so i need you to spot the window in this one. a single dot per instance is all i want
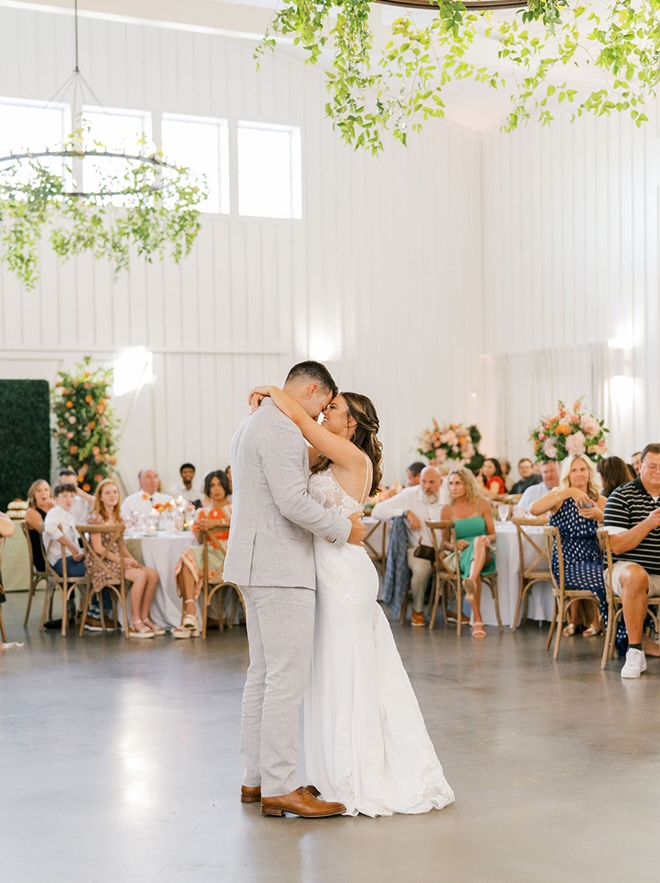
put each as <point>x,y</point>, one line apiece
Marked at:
<point>201,144</point>
<point>117,130</point>
<point>269,171</point>
<point>31,126</point>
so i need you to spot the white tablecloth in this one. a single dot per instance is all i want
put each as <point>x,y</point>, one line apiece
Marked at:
<point>162,551</point>
<point>540,598</point>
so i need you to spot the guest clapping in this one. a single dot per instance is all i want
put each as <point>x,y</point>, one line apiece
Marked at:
<point>190,567</point>
<point>577,509</point>
<point>475,537</point>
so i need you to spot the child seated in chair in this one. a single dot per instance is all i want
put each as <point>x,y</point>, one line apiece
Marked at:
<point>60,530</point>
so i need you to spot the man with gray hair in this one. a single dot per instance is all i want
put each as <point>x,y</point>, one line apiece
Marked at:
<point>417,504</point>
<point>147,497</point>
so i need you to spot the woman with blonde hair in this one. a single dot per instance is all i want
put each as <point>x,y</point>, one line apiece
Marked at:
<point>576,509</point>
<point>40,501</point>
<point>475,538</point>
<point>144,580</point>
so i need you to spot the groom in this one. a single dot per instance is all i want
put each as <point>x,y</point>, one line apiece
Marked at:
<point>270,557</point>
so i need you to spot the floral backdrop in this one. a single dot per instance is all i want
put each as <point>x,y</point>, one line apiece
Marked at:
<point>85,424</point>
<point>452,441</point>
<point>569,432</point>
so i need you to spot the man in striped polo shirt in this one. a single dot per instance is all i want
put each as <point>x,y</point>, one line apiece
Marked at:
<point>632,517</point>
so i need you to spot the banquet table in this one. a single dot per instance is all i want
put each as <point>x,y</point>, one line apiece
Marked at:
<point>162,551</point>
<point>540,602</point>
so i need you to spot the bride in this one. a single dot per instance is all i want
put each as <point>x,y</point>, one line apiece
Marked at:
<point>366,744</point>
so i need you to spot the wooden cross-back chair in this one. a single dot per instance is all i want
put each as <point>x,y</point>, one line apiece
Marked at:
<point>3,634</point>
<point>564,596</point>
<point>448,581</point>
<point>214,534</point>
<point>614,606</point>
<point>64,585</point>
<point>36,576</point>
<point>116,584</point>
<point>537,547</point>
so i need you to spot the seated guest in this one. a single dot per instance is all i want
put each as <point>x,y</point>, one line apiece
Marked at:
<point>40,502</point>
<point>492,478</point>
<point>577,510</point>
<point>475,537</point>
<point>144,580</point>
<point>527,476</point>
<point>549,481</point>
<point>83,502</point>
<point>614,471</point>
<point>506,470</point>
<point>636,462</point>
<point>60,528</point>
<point>147,497</point>
<point>6,530</point>
<point>632,517</point>
<point>417,505</point>
<point>190,567</point>
<point>185,488</point>
<point>414,473</point>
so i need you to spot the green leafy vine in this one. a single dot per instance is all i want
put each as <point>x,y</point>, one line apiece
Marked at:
<point>150,206</point>
<point>397,88</point>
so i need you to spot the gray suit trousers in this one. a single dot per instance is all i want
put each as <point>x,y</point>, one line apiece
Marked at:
<point>280,627</point>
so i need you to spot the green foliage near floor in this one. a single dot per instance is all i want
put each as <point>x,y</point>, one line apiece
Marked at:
<point>24,437</point>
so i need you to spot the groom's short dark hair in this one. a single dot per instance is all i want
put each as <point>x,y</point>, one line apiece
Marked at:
<point>315,372</point>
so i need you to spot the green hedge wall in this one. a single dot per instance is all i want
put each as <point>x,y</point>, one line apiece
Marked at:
<point>24,437</point>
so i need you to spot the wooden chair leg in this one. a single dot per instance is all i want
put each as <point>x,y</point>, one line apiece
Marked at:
<point>496,603</point>
<point>434,605</point>
<point>561,616</point>
<point>459,609</point>
<point>3,633</point>
<point>83,616</point>
<point>31,592</point>
<point>48,602</point>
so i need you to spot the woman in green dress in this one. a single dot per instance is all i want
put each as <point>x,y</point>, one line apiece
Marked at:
<point>475,538</point>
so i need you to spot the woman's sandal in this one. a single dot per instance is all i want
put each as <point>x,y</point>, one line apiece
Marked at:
<point>569,631</point>
<point>143,632</point>
<point>470,588</point>
<point>478,630</point>
<point>592,631</point>
<point>156,629</point>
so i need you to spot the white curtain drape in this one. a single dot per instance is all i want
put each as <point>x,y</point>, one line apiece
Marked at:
<point>528,385</point>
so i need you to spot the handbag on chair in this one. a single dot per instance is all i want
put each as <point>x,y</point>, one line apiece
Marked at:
<point>423,551</point>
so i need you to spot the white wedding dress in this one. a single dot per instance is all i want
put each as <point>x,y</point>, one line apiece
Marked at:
<point>366,743</point>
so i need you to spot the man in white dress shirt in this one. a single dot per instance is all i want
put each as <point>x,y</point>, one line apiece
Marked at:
<point>549,481</point>
<point>147,497</point>
<point>418,504</point>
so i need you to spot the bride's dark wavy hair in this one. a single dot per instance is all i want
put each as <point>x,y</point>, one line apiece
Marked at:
<point>362,410</point>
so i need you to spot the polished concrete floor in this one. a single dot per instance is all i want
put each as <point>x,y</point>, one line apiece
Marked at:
<point>120,763</point>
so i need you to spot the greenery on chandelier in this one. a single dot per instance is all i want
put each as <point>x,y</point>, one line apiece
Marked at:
<point>401,85</point>
<point>149,205</point>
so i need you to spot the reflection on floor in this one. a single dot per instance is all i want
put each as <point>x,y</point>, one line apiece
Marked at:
<point>120,763</point>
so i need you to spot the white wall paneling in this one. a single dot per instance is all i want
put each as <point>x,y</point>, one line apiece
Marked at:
<point>382,276</point>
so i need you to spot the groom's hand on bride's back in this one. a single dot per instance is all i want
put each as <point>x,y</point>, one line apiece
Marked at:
<point>358,529</point>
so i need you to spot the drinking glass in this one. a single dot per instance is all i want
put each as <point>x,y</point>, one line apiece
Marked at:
<point>503,511</point>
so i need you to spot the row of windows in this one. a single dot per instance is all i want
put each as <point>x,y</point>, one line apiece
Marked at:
<point>268,156</point>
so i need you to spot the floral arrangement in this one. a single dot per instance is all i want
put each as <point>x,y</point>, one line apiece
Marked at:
<point>569,432</point>
<point>162,507</point>
<point>452,441</point>
<point>85,424</point>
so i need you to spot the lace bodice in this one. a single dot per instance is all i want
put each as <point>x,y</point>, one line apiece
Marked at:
<point>326,490</point>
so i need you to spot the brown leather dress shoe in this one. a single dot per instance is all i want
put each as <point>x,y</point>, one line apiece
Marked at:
<point>252,794</point>
<point>300,802</point>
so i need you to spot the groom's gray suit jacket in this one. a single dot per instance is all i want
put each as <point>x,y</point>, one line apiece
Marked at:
<point>273,516</point>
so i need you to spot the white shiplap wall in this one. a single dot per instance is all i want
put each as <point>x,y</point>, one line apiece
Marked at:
<point>382,278</point>
<point>570,236</point>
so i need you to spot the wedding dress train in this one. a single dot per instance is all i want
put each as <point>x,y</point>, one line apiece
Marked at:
<point>366,743</point>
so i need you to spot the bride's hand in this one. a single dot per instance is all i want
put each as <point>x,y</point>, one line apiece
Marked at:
<point>256,396</point>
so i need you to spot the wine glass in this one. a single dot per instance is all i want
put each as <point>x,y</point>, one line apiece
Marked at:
<point>503,511</point>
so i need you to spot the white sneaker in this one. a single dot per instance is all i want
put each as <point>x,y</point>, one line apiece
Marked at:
<point>635,663</point>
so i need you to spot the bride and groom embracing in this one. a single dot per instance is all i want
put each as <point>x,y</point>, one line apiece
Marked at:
<point>314,626</point>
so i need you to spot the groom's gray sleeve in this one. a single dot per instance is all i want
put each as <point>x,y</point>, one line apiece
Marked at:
<point>281,461</point>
